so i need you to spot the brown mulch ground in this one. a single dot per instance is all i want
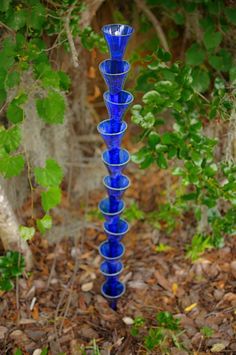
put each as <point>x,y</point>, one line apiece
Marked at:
<point>61,309</point>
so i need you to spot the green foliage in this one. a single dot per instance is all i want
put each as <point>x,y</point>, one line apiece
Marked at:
<point>50,178</point>
<point>44,223</point>
<point>200,243</point>
<point>11,265</point>
<point>137,325</point>
<point>11,165</point>
<point>51,175</point>
<point>18,352</point>
<point>195,55</point>
<point>207,332</point>
<point>175,90</point>
<point>160,336</point>
<point>27,233</point>
<point>133,213</point>
<point>51,108</point>
<point>163,248</point>
<point>51,198</point>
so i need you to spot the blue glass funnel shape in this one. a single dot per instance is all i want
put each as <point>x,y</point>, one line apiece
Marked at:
<point>116,186</point>
<point>116,231</point>
<point>115,160</point>
<point>117,37</point>
<point>114,73</point>
<point>110,211</point>
<point>117,104</point>
<point>111,136</point>
<point>113,293</point>
<point>111,270</point>
<point>111,252</point>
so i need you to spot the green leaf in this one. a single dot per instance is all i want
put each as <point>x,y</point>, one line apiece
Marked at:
<point>36,15</point>
<point>149,159</point>
<point>52,108</point>
<point>168,138</point>
<point>12,79</point>
<point>6,284</point>
<point>50,78</point>
<point>153,139</point>
<point>212,39</point>
<point>207,331</point>
<point>211,170</point>
<point>195,55</point>
<point>26,233</point>
<point>11,265</point>
<point>163,55</point>
<point>189,197</point>
<point>139,156</point>
<point>207,23</point>
<point>222,61</point>
<point>45,351</point>
<point>151,97</point>
<point>162,248</point>
<point>201,80</point>
<point>148,120</point>
<point>179,18</point>
<point>65,80</point>
<point>161,161</point>
<point>12,166</point>
<point>44,223</point>
<point>230,13</point>
<point>10,138</point>
<point>20,99</point>
<point>232,74</point>
<point>51,175</point>
<point>15,114</point>
<point>18,352</point>
<point>5,5</point>
<point>16,18</point>
<point>51,198</point>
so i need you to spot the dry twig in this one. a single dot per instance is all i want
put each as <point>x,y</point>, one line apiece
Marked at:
<point>152,18</point>
<point>70,38</point>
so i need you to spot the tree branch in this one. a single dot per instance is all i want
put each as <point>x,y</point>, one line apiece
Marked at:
<point>70,38</point>
<point>152,18</point>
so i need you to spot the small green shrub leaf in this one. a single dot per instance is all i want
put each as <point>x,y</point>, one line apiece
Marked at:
<point>51,175</point>
<point>11,165</point>
<point>26,233</point>
<point>51,198</point>
<point>44,223</point>
<point>195,55</point>
<point>51,109</point>
<point>212,39</point>
<point>15,114</point>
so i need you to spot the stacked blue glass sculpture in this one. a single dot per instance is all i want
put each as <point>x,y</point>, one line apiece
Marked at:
<point>117,100</point>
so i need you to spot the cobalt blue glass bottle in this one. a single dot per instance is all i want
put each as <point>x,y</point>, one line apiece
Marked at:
<point>115,158</point>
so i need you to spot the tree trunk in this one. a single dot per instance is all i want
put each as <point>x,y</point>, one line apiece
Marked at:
<point>9,230</point>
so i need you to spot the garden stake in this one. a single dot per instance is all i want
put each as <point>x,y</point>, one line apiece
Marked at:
<point>117,100</point>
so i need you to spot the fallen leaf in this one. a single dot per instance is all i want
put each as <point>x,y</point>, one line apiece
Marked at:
<point>35,312</point>
<point>216,348</point>
<point>92,72</point>
<point>162,281</point>
<point>190,308</point>
<point>174,288</point>
<point>96,94</point>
